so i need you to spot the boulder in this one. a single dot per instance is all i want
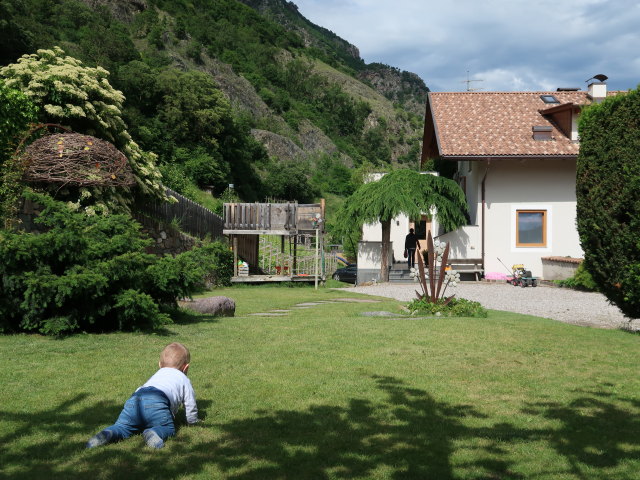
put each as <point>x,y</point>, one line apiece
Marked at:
<point>218,306</point>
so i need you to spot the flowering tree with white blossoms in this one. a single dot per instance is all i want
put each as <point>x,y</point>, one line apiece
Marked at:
<point>81,98</point>
<point>432,283</point>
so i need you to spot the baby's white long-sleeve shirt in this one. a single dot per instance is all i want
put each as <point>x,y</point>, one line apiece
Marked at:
<point>178,389</point>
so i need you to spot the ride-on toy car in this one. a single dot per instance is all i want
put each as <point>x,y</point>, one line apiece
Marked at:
<point>522,277</point>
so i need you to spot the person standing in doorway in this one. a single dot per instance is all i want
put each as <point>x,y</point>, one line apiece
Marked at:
<point>410,245</point>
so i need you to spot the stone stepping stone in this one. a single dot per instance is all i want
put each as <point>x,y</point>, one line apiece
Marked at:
<point>267,314</point>
<point>379,314</point>
<point>357,300</point>
<point>280,311</point>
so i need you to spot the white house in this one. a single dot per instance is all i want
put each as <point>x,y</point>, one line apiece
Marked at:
<point>516,158</point>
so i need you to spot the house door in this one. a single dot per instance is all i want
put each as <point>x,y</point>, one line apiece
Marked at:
<point>423,227</point>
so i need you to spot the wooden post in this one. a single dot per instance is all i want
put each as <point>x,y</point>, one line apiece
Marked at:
<point>235,256</point>
<point>323,267</point>
<point>317,254</point>
<point>295,252</point>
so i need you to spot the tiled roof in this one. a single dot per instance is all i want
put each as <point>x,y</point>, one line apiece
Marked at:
<point>470,124</point>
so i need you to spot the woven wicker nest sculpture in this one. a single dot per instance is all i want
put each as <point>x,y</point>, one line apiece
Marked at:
<point>75,159</point>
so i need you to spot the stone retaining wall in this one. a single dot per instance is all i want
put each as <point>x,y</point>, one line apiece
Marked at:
<point>167,239</point>
<point>559,268</point>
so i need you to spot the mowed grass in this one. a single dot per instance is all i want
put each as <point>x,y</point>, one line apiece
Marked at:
<point>326,393</point>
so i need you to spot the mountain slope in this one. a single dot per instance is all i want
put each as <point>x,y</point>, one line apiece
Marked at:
<point>298,89</point>
<point>402,87</point>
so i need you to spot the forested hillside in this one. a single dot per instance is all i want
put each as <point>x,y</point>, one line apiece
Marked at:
<point>224,91</point>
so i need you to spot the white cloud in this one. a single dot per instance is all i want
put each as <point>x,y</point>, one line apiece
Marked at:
<point>511,44</point>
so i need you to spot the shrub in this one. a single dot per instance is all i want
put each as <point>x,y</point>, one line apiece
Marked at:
<point>457,307</point>
<point>582,280</point>
<point>16,113</point>
<point>608,198</point>
<point>194,270</point>
<point>289,180</point>
<point>81,97</point>
<point>90,273</point>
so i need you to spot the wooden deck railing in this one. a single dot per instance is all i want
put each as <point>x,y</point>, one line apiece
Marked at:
<point>269,217</point>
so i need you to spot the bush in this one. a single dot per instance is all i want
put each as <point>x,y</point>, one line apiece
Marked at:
<point>608,198</point>
<point>289,181</point>
<point>67,92</point>
<point>457,307</point>
<point>582,280</point>
<point>16,113</point>
<point>194,270</point>
<point>90,273</point>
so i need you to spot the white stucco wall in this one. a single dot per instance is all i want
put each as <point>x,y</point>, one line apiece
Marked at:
<point>369,255</point>
<point>372,232</point>
<point>465,242</point>
<point>369,260</point>
<point>473,172</point>
<point>513,185</point>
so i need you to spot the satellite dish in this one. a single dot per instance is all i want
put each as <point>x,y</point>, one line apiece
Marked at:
<point>600,77</point>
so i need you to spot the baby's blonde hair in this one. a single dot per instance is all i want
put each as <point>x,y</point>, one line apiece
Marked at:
<point>175,355</point>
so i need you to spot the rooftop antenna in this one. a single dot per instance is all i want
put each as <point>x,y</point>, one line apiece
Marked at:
<point>468,82</point>
<point>600,77</point>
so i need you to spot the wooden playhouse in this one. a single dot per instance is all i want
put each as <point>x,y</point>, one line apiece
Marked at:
<point>275,242</point>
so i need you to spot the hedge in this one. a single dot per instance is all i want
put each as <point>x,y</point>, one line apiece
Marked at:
<point>608,197</point>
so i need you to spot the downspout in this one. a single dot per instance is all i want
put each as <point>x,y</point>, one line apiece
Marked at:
<point>484,202</point>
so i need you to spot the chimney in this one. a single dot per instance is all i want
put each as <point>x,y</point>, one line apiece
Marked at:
<point>597,89</point>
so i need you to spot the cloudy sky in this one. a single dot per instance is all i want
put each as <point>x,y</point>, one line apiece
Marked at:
<point>508,44</point>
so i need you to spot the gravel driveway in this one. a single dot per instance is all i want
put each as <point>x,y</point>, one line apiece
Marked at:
<point>565,305</point>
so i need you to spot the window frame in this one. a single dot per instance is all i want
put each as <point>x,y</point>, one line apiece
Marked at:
<point>545,218</point>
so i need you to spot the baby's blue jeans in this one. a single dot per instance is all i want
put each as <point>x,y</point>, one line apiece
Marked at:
<point>147,409</point>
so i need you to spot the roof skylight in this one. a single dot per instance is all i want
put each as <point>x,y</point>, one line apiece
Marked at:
<point>549,99</point>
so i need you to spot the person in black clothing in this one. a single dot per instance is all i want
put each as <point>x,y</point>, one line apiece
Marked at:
<point>410,245</point>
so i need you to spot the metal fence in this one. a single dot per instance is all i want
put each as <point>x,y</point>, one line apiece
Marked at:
<point>191,217</point>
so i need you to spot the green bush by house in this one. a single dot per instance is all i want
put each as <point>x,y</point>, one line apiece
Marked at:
<point>581,280</point>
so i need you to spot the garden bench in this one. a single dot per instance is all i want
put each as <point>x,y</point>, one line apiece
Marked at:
<point>467,265</point>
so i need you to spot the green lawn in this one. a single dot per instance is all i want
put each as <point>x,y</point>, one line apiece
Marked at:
<point>325,393</point>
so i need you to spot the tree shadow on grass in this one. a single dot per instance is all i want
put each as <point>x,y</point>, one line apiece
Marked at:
<point>183,316</point>
<point>43,434</point>
<point>404,434</point>
<point>407,435</point>
<point>48,453</point>
<point>598,430</point>
<point>410,435</point>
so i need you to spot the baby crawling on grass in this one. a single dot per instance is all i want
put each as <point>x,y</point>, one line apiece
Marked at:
<point>152,407</point>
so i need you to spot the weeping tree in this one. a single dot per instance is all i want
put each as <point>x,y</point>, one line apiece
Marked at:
<point>403,192</point>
